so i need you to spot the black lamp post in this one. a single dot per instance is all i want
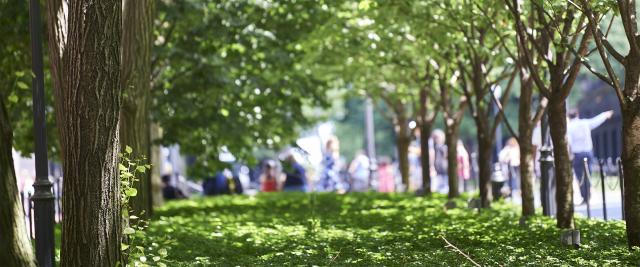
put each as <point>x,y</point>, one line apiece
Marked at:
<point>43,197</point>
<point>547,174</point>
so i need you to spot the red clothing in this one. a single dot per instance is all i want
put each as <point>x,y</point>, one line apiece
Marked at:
<point>269,185</point>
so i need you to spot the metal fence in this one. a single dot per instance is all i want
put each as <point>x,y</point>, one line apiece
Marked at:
<point>606,171</point>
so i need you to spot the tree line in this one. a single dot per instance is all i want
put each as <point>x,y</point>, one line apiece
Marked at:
<point>234,74</point>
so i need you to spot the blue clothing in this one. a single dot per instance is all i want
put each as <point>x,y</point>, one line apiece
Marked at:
<point>216,185</point>
<point>295,176</point>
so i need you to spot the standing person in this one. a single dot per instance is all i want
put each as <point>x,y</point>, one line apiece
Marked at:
<point>359,172</point>
<point>386,179</point>
<point>440,161</point>
<point>464,167</point>
<point>268,180</point>
<point>579,134</point>
<point>509,157</point>
<point>330,179</point>
<point>295,175</point>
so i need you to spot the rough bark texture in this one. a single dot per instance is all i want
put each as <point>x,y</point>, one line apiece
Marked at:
<point>631,149</point>
<point>15,246</point>
<point>562,162</point>
<point>451,138</point>
<point>85,55</point>
<point>137,34</point>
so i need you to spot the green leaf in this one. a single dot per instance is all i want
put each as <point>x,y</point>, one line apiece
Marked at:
<point>162,252</point>
<point>121,167</point>
<point>160,264</point>
<point>131,192</point>
<point>13,98</point>
<point>22,85</point>
<point>123,246</point>
<point>128,149</point>
<point>156,258</point>
<point>141,169</point>
<point>19,73</point>
<point>129,231</point>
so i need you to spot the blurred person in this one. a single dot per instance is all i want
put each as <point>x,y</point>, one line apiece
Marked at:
<point>217,185</point>
<point>386,179</point>
<point>464,166</point>
<point>581,145</point>
<point>170,192</point>
<point>509,157</point>
<point>440,161</point>
<point>330,178</point>
<point>359,172</point>
<point>268,178</point>
<point>415,168</point>
<point>295,175</point>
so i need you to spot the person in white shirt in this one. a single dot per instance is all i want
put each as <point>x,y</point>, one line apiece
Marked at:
<point>579,135</point>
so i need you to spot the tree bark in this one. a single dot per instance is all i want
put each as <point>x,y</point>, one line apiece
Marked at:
<point>451,138</point>
<point>562,161</point>
<point>631,149</point>
<point>15,246</point>
<point>484,171</point>
<point>156,163</point>
<point>425,132</point>
<point>525,133</point>
<point>526,174</point>
<point>403,141</point>
<point>137,34</point>
<point>85,55</point>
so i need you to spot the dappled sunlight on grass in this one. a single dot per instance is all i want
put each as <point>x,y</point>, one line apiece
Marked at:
<point>369,229</point>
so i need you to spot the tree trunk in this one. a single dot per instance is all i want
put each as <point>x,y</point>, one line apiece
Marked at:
<point>137,34</point>
<point>484,171</point>
<point>156,164</point>
<point>562,161</point>
<point>425,132</point>
<point>485,146</point>
<point>525,133</point>
<point>402,144</point>
<point>86,72</point>
<point>451,139</point>
<point>15,246</point>
<point>526,176</point>
<point>631,150</point>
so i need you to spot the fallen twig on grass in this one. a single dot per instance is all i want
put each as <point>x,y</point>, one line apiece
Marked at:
<point>456,249</point>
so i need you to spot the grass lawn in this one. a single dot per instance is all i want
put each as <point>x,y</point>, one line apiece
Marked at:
<point>370,229</point>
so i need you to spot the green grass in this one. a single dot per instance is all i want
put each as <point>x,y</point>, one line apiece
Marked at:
<point>370,229</point>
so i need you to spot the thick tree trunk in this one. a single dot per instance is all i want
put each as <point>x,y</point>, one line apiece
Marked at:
<point>425,132</point>
<point>631,166</point>
<point>137,34</point>
<point>15,246</point>
<point>631,151</point>
<point>451,138</point>
<point>86,72</point>
<point>562,161</point>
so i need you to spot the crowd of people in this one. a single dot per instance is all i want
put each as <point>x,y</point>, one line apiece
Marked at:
<point>287,173</point>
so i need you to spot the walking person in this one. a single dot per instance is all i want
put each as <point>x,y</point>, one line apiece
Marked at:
<point>440,161</point>
<point>509,157</point>
<point>579,135</point>
<point>464,166</point>
<point>359,172</point>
